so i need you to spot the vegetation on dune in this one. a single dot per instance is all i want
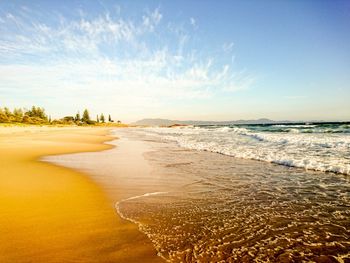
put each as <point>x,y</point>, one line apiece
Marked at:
<point>102,118</point>
<point>37,115</point>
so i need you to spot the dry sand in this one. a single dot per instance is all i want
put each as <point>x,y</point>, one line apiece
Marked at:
<point>53,214</point>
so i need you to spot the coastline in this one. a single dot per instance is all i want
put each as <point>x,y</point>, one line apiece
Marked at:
<point>204,206</point>
<point>51,213</point>
<point>140,199</point>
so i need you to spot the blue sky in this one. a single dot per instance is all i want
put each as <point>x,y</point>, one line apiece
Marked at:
<point>204,60</point>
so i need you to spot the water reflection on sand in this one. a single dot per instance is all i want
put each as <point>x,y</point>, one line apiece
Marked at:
<point>218,208</point>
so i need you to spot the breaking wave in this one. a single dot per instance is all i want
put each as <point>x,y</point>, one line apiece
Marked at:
<point>314,147</point>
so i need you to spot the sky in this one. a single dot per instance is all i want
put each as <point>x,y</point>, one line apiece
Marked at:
<point>185,60</point>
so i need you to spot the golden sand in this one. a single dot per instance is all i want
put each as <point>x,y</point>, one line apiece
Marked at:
<point>53,214</point>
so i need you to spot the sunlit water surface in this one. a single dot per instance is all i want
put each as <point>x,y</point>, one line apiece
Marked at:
<point>217,208</point>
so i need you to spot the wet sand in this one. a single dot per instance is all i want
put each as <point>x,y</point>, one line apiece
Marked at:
<point>50,213</point>
<point>200,206</point>
<point>216,208</point>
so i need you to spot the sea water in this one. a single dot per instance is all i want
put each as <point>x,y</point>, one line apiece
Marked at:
<point>323,147</point>
<point>220,194</point>
<point>219,204</point>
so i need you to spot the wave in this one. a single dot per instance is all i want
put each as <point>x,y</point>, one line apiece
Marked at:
<point>327,152</point>
<point>344,128</point>
<point>142,227</point>
<point>277,128</point>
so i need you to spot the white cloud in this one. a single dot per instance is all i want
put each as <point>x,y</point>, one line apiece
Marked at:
<point>227,47</point>
<point>10,16</point>
<point>83,36</point>
<point>151,20</point>
<point>193,22</point>
<point>110,61</point>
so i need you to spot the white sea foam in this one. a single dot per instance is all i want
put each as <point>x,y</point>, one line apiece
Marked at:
<point>142,228</point>
<point>323,151</point>
<point>117,206</point>
<point>132,198</point>
<point>252,212</point>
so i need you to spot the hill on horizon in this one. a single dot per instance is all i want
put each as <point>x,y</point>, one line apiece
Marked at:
<point>167,122</point>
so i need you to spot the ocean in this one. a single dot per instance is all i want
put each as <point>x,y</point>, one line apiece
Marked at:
<point>252,193</point>
<point>248,193</point>
<point>322,147</point>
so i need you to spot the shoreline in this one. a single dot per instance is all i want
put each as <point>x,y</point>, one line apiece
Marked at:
<point>50,213</point>
<point>217,208</point>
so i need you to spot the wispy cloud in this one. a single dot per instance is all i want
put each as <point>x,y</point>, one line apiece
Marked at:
<point>151,20</point>
<point>193,22</point>
<point>110,59</point>
<point>227,47</point>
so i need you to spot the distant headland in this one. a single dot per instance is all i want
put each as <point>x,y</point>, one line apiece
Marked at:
<point>167,122</point>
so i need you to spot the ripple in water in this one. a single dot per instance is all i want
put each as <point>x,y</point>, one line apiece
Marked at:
<point>233,210</point>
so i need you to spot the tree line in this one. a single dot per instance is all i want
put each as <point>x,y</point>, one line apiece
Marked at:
<point>37,115</point>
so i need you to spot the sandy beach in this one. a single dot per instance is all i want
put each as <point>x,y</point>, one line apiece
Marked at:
<point>50,213</point>
<point>174,131</point>
<point>200,206</point>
